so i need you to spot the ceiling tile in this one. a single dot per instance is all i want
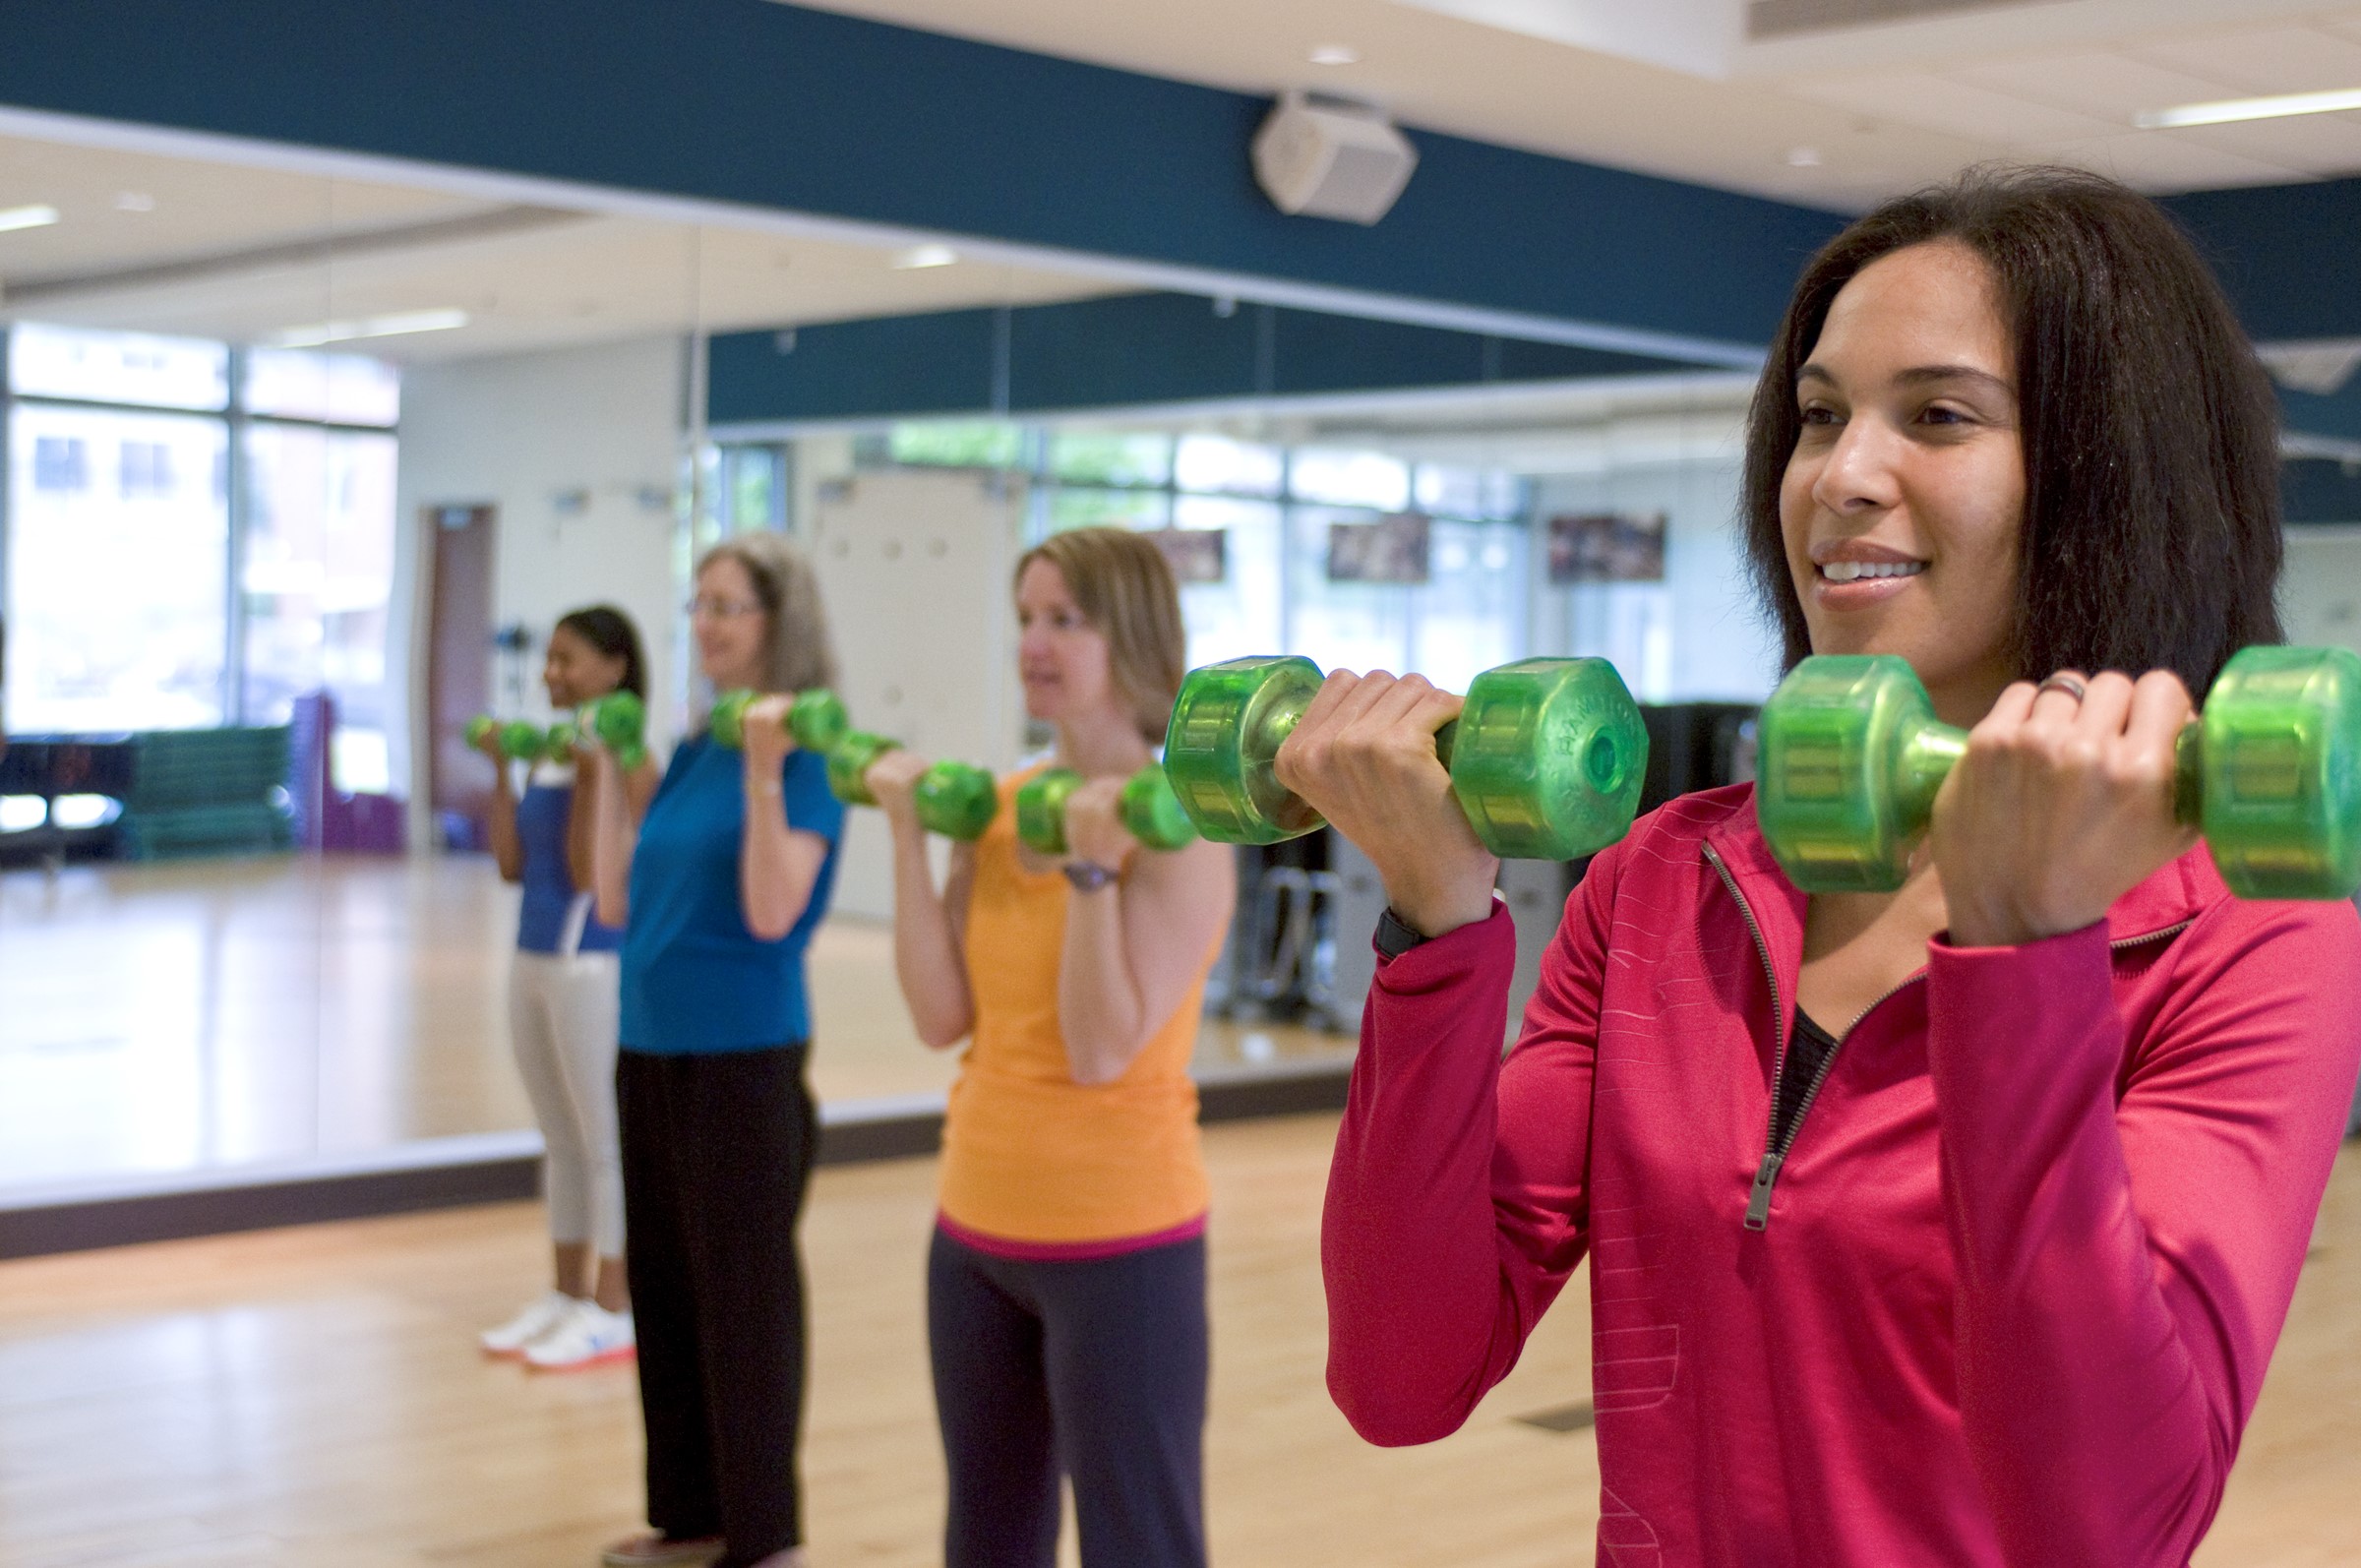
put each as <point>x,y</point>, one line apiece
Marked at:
<point>2166,161</point>
<point>2264,60</point>
<point>2109,86</point>
<point>2321,145</point>
<point>1940,103</point>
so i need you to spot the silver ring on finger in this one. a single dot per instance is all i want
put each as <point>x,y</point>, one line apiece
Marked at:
<point>2071,685</point>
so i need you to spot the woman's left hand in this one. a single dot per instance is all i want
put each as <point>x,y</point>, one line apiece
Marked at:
<point>1094,824</point>
<point>765,737</point>
<point>2060,807</point>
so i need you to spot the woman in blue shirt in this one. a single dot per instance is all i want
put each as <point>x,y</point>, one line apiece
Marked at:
<point>562,1002</point>
<point>723,880</point>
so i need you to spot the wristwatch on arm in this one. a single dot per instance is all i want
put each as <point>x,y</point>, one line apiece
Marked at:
<point>1395,935</point>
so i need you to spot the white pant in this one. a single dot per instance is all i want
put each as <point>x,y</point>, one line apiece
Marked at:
<point>563,1013</point>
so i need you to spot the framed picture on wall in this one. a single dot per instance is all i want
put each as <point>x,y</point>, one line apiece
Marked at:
<point>1606,547</point>
<point>1393,549</point>
<point>1195,555</point>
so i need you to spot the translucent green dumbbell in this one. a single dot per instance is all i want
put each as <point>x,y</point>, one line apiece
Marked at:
<point>953,799</point>
<point>558,742</point>
<point>1148,809</point>
<point>1546,758</point>
<point>618,721</point>
<point>1852,756</point>
<point>519,742</point>
<point>815,719</point>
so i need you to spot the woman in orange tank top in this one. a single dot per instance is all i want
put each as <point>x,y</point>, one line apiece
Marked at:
<point>1066,1286</point>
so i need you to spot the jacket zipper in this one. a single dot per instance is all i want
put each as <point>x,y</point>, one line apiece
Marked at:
<point>1775,1150</point>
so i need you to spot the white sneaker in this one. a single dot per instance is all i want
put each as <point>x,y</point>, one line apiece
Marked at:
<point>537,1319</point>
<point>586,1336</point>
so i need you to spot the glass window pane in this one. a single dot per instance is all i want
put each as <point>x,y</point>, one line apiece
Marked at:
<point>1240,614</point>
<point>117,367</point>
<point>1469,492</point>
<point>1355,626</point>
<point>118,558</point>
<point>1219,464</point>
<point>1471,613</point>
<point>318,574</point>
<point>968,444</point>
<point>1072,508</point>
<point>1106,457</point>
<point>343,389</point>
<point>1348,478</point>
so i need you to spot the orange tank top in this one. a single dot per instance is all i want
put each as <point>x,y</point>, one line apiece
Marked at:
<point>1029,1155</point>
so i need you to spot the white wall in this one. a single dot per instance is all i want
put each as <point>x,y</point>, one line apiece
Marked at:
<point>1695,636</point>
<point>579,450</point>
<point>2319,586</point>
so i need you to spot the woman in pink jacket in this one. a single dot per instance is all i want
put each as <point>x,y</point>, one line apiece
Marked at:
<point>1954,1225</point>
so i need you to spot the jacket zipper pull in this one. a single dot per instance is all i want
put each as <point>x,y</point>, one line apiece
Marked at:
<point>1758,1203</point>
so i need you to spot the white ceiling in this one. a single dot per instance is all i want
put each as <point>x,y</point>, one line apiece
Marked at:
<point>255,251</point>
<point>1883,107</point>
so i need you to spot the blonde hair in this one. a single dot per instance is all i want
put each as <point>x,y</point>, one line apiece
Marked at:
<point>797,651</point>
<point>1124,588</point>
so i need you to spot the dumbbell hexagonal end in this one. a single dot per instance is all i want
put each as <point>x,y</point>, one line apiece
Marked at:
<point>849,764</point>
<point>817,720</point>
<point>728,718</point>
<point>520,742</point>
<point>1829,790</point>
<point>2280,772</point>
<point>1548,756</point>
<point>957,800</point>
<point>1226,730</point>
<point>620,722</point>
<point>1041,808</point>
<point>480,727</point>
<point>1152,812</point>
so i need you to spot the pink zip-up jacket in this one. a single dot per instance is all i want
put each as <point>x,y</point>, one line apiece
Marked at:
<point>2008,1298</point>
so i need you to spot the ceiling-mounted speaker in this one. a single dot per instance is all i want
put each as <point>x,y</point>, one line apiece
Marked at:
<point>1331,157</point>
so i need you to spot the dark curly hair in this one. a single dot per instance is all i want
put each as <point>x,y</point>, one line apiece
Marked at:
<point>2150,432</point>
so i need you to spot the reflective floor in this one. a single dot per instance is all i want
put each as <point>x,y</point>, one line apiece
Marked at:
<point>312,1397</point>
<point>211,1013</point>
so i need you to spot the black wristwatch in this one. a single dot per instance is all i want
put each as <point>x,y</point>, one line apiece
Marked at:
<point>1087,877</point>
<point>1395,935</point>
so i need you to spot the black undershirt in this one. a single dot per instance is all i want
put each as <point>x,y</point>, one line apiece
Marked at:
<point>1807,1049</point>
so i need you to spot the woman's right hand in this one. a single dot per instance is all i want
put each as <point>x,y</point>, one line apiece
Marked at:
<point>1362,756</point>
<point>893,779</point>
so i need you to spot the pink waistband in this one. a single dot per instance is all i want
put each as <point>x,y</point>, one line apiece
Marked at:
<point>1001,1247</point>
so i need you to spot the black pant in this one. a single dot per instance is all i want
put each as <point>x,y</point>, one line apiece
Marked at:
<point>716,1151</point>
<point>1092,1368</point>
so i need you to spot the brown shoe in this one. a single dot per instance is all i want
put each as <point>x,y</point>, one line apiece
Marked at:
<point>656,1549</point>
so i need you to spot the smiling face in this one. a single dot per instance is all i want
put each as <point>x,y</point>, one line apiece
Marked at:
<point>1063,659</point>
<point>730,624</point>
<point>1903,501</point>
<point>575,671</point>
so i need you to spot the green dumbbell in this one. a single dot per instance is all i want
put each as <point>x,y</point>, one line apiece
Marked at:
<point>519,742</point>
<point>1547,757</point>
<point>1149,809</point>
<point>953,799</point>
<point>814,718</point>
<point>557,743</point>
<point>618,721</point>
<point>1852,756</point>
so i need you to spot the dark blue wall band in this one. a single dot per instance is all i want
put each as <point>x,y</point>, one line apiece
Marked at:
<point>766,104</point>
<point>1117,351</point>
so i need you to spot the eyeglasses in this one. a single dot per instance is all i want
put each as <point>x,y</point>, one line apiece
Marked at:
<point>720,609</point>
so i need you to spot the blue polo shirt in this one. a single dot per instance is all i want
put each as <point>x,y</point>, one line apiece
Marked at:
<point>694,979</point>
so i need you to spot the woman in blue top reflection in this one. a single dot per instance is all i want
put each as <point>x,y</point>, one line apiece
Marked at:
<point>723,880</point>
<point>562,1006</point>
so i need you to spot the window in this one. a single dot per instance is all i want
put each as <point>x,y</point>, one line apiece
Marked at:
<point>121,535</point>
<point>118,602</point>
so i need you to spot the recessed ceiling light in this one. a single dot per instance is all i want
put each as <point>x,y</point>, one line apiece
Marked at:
<point>134,202</point>
<point>26,217</point>
<point>395,326</point>
<point>918,256</point>
<point>1804,157</point>
<point>1335,54</point>
<point>2223,111</point>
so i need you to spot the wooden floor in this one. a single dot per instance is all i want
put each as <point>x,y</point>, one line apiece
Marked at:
<point>311,1397</point>
<point>187,1016</point>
